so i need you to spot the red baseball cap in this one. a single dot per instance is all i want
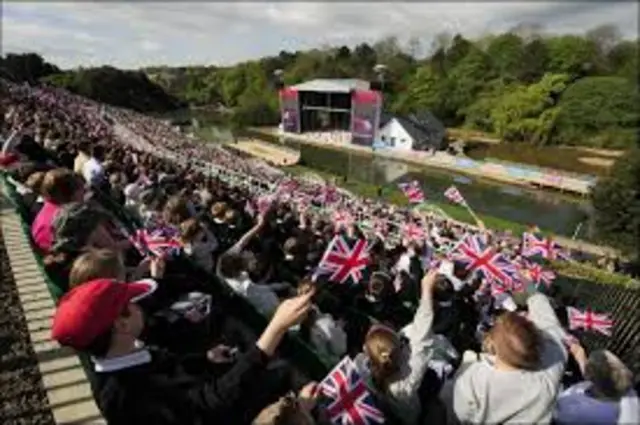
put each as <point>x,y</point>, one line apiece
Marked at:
<point>90,309</point>
<point>7,159</point>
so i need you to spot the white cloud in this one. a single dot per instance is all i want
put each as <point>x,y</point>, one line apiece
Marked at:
<point>133,34</point>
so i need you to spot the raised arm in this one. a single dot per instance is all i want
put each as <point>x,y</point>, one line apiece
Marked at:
<point>420,336</point>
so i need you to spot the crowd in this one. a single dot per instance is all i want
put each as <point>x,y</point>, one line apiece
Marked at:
<point>160,243</point>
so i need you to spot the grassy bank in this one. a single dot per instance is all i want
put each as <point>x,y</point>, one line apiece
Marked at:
<point>396,197</point>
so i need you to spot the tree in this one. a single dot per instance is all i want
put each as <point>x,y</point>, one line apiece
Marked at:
<point>528,112</point>
<point>571,54</point>
<point>506,53</point>
<point>29,67</point>
<point>604,37</point>
<point>616,204</point>
<point>534,61</point>
<point>460,47</point>
<point>623,60</point>
<point>602,109</point>
<point>464,82</point>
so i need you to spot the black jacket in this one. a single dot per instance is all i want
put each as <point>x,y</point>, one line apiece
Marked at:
<point>171,390</point>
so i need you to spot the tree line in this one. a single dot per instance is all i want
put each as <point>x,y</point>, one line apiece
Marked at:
<point>518,86</point>
<point>128,89</point>
<point>521,85</point>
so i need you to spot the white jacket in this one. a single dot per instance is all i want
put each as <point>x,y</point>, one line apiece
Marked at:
<point>403,387</point>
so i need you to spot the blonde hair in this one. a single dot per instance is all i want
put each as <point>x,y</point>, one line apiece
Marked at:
<point>96,264</point>
<point>382,347</point>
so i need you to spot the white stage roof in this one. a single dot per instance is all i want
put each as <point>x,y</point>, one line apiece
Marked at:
<point>333,85</point>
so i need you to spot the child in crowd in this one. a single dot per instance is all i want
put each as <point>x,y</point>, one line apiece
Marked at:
<point>137,384</point>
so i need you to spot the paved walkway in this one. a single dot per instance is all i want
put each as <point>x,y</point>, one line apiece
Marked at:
<point>64,379</point>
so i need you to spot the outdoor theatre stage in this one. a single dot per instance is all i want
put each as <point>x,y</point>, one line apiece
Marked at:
<point>323,105</point>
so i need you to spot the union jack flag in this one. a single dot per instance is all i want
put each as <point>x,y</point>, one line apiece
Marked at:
<point>533,245</point>
<point>492,265</point>
<point>454,195</point>
<point>158,242</point>
<point>412,191</point>
<point>342,219</point>
<point>538,275</point>
<point>344,262</point>
<point>589,321</point>
<point>350,402</point>
<point>413,232</point>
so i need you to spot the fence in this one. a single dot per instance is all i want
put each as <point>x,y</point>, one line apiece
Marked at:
<point>621,303</point>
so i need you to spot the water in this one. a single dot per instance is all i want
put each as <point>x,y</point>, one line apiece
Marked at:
<point>550,211</point>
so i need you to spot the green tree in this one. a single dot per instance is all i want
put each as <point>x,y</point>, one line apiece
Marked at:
<point>616,204</point>
<point>506,52</point>
<point>25,67</point>
<point>535,59</point>
<point>528,113</point>
<point>571,54</point>
<point>599,110</point>
<point>464,82</point>
<point>623,60</point>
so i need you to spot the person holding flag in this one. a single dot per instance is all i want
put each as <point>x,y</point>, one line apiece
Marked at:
<point>454,195</point>
<point>393,370</point>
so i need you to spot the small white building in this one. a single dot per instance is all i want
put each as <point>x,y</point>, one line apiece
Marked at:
<point>415,132</point>
<point>395,136</point>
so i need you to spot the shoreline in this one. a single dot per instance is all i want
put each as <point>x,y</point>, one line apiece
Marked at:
<point>554,181</point>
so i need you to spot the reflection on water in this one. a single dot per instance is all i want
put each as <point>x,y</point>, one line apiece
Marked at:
<point>548,210</point>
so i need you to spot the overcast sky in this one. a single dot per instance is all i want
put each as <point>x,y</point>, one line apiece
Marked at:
<point>135,34</point>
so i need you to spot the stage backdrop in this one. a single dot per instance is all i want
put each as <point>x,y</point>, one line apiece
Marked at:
<point>290,110</point>
<point>365,116</point>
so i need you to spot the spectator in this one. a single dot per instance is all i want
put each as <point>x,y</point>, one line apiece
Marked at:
<point>92,170</point>
<point>137,384</point>
<point>395,369</point>
<point>606,397</point>
<point>520,378</point>
<point>59,187</point>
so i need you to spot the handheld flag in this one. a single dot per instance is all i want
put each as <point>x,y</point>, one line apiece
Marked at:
<point>344,262</point>
<point>350,402</point>
<point>156,243</point>
<point>477,255</point>
<point>537,275</point>
<point>533,245</point>
<point>342,219</point>
<point>454,195</point>
<point>413,232</point>
<point>412,191</point>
